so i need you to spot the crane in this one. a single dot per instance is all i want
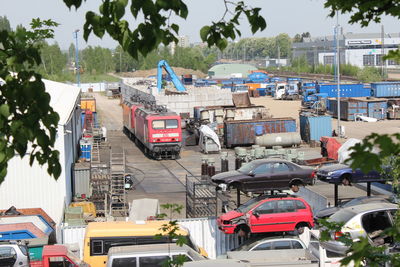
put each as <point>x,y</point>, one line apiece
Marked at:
<point>175,80</point>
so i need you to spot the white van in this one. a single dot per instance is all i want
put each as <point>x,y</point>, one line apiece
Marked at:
<point>149,255</point>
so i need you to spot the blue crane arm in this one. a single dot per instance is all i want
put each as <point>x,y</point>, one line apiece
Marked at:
<point>175,80</point>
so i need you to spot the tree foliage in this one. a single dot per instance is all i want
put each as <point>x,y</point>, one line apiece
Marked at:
<point>4,24</point>
<point>27,122</point>
<point>156,28</point>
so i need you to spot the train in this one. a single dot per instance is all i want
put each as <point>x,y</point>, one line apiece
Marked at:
<point>154,128</point>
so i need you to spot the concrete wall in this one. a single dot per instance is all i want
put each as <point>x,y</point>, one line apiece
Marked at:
<point>182,103</point>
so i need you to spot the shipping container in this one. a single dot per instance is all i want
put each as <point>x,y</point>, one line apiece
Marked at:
<point>262,91</point>
<point>313,127</point>
<point>385,89</point>
<point>349,108</point>
<point>244,133</point>
<point>258,77</point>
<point>377,109</point>
<point>81,180</point>
<point>346,90</point>
<point>88,103</point>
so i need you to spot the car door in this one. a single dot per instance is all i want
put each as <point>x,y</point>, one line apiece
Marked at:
<point>286,215</point>
<point>281,175</point>
<point>260,177</point>
<point>262,218</point>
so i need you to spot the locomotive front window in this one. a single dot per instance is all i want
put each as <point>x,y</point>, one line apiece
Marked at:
<point>171,124</point>
<point>159,124</point>
<point>165,124</point>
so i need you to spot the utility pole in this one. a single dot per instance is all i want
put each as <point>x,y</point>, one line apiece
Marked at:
<point>77,68</point>
<point>382,51</point>
<point>120,64</point>
<point>338,73</point>
<point>279,56</point>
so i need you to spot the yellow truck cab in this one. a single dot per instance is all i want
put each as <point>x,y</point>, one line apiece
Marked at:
<point>101,236</point>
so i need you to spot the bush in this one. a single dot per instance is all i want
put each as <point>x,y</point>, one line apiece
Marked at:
<point>369,74</point>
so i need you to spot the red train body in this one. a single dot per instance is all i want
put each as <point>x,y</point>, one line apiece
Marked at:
<point>159,133</point>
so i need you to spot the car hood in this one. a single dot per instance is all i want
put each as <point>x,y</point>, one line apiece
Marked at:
<point>231,215</point>
<point>226,175</point>
<point>334,167</point>
<point>326,212</point>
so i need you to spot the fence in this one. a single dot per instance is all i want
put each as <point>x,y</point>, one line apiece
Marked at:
<point>204,233</point>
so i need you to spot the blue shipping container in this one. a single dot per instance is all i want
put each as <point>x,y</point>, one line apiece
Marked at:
<point>349,108</point>
<point>262,91</point>
<point>386,89</point>
<point>313,127</point>
<point>244,133</point>
<point>346,90</point>
<point>257,77</point>
<point>377,109</point>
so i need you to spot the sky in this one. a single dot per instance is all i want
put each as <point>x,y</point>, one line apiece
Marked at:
<point>282,16</point>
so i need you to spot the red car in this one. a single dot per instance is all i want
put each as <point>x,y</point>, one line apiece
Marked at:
<point>268,214</point>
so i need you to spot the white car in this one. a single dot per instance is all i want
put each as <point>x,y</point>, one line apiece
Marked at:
<point>271,243</point>
<point>365,220</point>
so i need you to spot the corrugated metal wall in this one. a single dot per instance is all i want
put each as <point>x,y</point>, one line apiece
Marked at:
<point>386,89</point>
<point>32,187</point>
<point>28,186</point>
<point>313,127</point>
<point>204,233</point>
<point>73,235</point>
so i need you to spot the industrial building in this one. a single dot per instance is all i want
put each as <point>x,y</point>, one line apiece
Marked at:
<point>28,186</point>
<point>358,49</point>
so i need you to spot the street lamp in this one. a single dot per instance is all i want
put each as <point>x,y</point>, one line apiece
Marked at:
<point>77,58</point>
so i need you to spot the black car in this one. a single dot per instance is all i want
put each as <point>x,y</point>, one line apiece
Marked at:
<point>325,213</point>
<point>266,174</point>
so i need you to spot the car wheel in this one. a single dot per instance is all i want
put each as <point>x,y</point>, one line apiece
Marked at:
<point>243,230</point>
<point>346,179</point>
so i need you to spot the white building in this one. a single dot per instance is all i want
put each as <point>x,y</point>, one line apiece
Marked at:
<point>183,41</point>
<point>28,186</point>
<point>358,49</point>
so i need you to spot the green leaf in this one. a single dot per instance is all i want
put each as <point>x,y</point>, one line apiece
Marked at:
<point>204,33</point>
<point>5,110</point>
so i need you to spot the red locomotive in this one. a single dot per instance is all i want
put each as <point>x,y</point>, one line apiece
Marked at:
<point>158,131</point>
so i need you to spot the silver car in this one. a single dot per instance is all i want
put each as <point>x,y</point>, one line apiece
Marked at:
<point>271,243</point>
<point>365,220</point>
<point>13,253</point>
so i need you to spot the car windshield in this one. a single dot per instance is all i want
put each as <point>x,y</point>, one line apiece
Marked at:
<point>246,168</point>
<point>342,216</point>
<point>248,205</point>
<point>247,245</point>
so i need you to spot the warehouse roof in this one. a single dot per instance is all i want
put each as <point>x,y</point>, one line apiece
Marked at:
<point>63,98</point>
<point>226,70</point>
